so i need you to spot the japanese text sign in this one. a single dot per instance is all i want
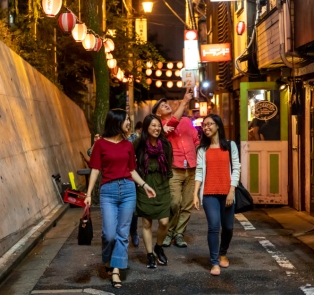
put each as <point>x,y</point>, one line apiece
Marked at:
<point>191,55</point>
<point>215,52</point>
<point>141,28</point>
<point>188,79</point>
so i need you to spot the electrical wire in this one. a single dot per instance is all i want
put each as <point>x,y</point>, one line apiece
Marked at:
<point>176,14</point>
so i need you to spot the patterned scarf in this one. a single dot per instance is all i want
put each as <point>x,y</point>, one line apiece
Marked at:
<point>156,151</point>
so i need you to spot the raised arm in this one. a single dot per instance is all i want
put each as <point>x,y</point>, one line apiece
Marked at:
<point>186,99</point>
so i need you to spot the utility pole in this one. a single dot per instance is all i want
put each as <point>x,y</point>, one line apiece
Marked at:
<point>130,94</point>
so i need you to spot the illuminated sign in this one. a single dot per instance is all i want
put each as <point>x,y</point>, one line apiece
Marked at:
<point>198,122</point>
<point>141,28</point>
<point>265,110</point>
<point>188,78</point>
<point>203,109</point>
<point>191,55</point>
<point>215,52</point>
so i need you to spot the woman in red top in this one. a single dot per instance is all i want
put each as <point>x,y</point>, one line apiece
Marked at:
<point>213,176</point>
<point>115,156</point>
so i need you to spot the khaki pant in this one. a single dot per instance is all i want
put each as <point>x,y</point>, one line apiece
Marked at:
<point>182,189</point>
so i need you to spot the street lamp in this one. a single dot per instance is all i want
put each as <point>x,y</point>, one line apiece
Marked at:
<point>148,6</point>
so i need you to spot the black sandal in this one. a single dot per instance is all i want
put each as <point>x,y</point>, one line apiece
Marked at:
<point>109,269</point>
<point>116,283</point>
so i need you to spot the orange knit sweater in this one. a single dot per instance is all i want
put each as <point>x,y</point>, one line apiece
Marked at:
<point>217,180</point>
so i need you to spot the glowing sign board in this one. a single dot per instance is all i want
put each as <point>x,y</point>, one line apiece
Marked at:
<point>215,52</point>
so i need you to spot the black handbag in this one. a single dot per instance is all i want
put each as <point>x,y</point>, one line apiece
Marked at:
<point>85,232</point>
<point>243,200</point>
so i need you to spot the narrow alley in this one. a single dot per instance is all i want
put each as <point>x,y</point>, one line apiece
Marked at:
<point>264,259</point>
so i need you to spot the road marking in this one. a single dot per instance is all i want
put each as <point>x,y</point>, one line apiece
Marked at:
<point>6,256</point>
<point>307,289</point>
<point>277,255</point>
<point>244,222</point>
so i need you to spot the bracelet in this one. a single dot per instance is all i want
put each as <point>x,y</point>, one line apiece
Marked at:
<point>143,184</point>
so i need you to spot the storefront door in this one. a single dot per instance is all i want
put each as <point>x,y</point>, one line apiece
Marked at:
<point>264,142</point>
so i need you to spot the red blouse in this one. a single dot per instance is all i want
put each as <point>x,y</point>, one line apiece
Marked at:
<point>116,160</point>
<point>217,180</point>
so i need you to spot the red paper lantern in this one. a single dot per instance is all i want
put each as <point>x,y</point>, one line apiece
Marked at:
<point>115,70</point>
<point>67,21</point>
<point>160,65</point>
<point>51,7</point>
<point>109,45</point>
<point>149,81</point>
<point>89,42</point>
<point>98,44</point>
<point>79,32</point>
<point>240,28</point>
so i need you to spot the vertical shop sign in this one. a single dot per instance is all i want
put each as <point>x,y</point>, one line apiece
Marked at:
<point>203,109</point>
<point>141,28</point>
<point>191,55</point>
<point>188,79</point>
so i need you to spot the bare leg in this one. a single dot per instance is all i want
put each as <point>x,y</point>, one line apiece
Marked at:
<point>147,234</point>
<point>162,230</point>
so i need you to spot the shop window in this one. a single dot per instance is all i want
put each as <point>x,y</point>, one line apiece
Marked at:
<point>263,115</point>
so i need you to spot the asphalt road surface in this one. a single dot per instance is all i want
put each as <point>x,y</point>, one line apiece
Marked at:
<point>264,259</point>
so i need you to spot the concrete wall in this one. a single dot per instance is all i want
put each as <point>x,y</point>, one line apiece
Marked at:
<point>41,132</point>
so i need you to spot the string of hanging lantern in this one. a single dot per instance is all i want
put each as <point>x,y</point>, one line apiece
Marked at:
<point>91,41</point>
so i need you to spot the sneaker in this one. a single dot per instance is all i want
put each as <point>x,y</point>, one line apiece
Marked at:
<point>167,241</point>
<point>135,239</point>
<point>159,253</point>
<point>151,263</point>
<point>179,241</point>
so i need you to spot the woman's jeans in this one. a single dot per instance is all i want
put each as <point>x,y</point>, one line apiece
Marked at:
<point>218,214</point>
<point>117,203</point>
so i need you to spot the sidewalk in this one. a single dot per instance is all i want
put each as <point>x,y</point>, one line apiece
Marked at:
<point>301,223</point>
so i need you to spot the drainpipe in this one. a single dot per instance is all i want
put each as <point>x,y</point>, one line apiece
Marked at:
<point>258,10</point>
<point>282,41</point>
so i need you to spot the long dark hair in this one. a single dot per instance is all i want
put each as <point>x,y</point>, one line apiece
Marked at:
<point>114,121</point>
<point>223,142</point>
<point>140,152</point>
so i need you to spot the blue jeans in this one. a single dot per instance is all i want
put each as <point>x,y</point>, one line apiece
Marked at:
<point>217,215</point>
<point>117,203</point>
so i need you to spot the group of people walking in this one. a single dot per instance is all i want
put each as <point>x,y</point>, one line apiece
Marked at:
<point>173,170</point>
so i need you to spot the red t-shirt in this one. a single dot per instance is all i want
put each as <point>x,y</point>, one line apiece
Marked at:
<point>116,160</point>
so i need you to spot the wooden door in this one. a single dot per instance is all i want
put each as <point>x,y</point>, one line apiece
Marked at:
<point>264,156</point>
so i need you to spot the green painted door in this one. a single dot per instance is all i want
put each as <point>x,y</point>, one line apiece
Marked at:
<point>264,142</point>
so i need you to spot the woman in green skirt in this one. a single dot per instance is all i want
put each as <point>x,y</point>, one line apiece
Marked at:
<point>154,163</point>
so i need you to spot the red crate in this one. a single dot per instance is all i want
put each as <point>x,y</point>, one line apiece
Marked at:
<point>74,197</point>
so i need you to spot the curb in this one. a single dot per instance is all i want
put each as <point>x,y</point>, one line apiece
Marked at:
<point>18,252</point>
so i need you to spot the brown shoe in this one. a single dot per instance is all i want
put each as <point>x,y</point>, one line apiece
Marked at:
<point>215,271</point>
<point>223,261</point>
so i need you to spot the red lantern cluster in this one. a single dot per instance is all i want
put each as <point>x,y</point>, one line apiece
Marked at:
<point>70,23</point>
<point>240,28</point>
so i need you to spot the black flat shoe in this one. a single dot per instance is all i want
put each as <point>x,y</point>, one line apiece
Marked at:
<point>151,263</point>
<point>160,255</point>
<point>113,283</point>
<point>109,269</point>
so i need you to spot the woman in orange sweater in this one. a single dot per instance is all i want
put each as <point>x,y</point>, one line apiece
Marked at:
<point>217,184</point>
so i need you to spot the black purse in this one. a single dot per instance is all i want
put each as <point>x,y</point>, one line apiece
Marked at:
<point>85,232</point>
<point>243,200</point>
